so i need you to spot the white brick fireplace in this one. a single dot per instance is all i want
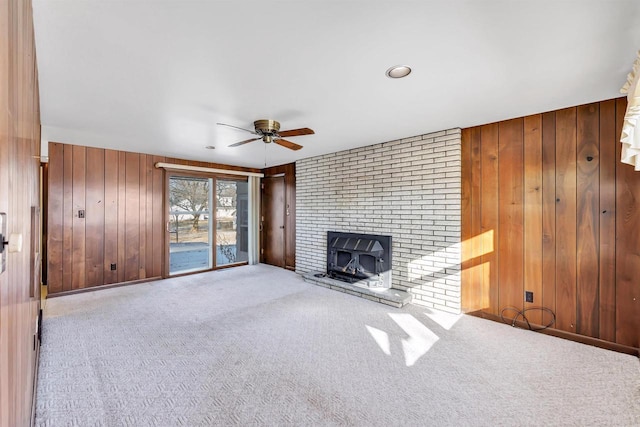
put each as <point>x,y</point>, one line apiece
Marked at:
<point>409,189</point>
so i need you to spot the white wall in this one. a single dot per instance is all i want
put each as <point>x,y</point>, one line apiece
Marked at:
<point>409,189</point>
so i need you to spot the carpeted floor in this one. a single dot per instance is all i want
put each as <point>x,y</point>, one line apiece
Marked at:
<point>256,345</point>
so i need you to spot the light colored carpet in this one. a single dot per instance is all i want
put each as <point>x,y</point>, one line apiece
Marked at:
<point>257,345</point>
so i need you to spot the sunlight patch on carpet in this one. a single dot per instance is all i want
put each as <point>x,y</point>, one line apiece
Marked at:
<point>445,320</point>
<point>381,338</point>
<point>420,338</point>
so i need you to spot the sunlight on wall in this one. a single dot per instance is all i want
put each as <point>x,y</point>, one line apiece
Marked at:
<point>481,244</point>
<point>420,339</point>
<point>433,263</point>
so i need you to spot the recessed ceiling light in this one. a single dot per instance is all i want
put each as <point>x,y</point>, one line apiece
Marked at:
<point>210,147</point>
<point>398,71</point>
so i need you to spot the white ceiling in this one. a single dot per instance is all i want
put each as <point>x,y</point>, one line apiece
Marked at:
<point>155,76</point>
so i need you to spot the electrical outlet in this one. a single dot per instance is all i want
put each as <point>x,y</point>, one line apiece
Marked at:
<point>113,267</point>
<point>528,296</point>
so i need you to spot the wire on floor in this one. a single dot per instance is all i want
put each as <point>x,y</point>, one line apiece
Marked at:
<point>513,321</point>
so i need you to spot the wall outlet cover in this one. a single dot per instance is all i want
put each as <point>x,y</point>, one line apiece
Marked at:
<point>528,296</point>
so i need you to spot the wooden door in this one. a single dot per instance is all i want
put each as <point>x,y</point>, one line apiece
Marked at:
<point>273,218</point>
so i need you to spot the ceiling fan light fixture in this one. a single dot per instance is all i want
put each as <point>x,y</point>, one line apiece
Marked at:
<point>398,71</point>
<point>266,126</point>
<point>210,147</point>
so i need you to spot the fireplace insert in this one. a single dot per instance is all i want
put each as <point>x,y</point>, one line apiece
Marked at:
<point>363,259</point>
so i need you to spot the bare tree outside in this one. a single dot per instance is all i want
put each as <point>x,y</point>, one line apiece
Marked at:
<point>226,194</point>
<point>190,195</point>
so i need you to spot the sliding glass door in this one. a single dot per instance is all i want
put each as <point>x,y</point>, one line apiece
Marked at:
<point>232,216</point>
<point>195,229</point>
<point>190,225</point>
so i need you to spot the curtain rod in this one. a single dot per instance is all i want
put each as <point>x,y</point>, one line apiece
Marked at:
<point>202,169</point>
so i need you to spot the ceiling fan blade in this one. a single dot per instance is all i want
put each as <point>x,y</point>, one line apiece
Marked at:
<point>296,132</point>
<point>244,142</point>
<point>236,127</point>
<point>288,144</point>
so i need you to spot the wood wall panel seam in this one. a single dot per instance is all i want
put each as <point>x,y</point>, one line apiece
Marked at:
<point>476,221</point>
<point>489,226</point>
<point>110,240</point>
<point>468,296</point>
<point>533,213</point>
<point>95,216</point>
<point>587,206</point>
<point>67,264</point>
<point>627,250</point>
<point>132,217</point>
<point>55,226</point>
<point>142,213</point>
<point>121,230</point>
<point>607,209</point>
<point>566,243</point>
<point>510,214</point>
<point>79,221</point>
<point>548,214</point>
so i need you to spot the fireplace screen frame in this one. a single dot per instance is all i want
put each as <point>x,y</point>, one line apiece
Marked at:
<point>358,245</point>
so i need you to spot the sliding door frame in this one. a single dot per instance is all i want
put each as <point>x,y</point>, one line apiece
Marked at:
<point>168,173</point>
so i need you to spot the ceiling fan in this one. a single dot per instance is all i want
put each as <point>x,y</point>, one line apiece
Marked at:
<point>269,131</point>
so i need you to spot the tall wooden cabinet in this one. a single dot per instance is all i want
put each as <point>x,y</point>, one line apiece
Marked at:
<point>278,216</point>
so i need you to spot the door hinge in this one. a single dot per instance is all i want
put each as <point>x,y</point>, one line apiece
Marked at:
<point>262,186</point>
<point>261,251</point>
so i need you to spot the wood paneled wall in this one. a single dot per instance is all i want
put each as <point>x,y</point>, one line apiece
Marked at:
<point>289,172</point>
<point>549,208</point>
<point>19,199</point>
<point>121,194</point>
